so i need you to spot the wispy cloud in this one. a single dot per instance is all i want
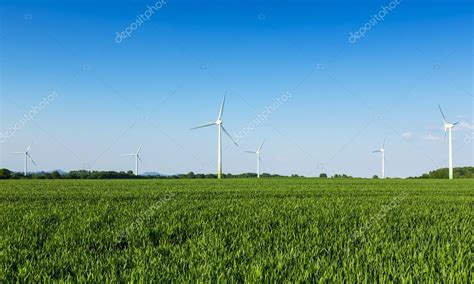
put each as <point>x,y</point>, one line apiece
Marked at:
<point>431,137</point>
<point>407,135</point>
<point>464,125</point>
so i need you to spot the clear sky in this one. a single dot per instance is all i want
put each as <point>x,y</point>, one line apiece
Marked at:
<point>97,95</point>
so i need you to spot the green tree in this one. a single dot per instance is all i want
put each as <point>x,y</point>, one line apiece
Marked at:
<point>55,175</point>
<point>5,174</point>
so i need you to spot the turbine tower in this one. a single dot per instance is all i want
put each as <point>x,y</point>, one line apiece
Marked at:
<point>137,158</point>
<point>258,157</point>
<point>449,127</point>
<point>382,151</point>
<point>220,128</point>
<point>27,156</point>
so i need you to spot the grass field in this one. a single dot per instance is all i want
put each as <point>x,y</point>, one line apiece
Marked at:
<point>237,230</point>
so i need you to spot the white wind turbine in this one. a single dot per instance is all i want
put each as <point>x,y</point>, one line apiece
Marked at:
<point>220,128</point>
<point>258,157</point>
<point>449,127</point>
<point>27,156</point>
<point>382,151</point>
<point>137,158</point>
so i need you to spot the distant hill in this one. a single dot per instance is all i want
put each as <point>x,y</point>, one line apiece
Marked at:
<point>461,172</point>
<point>151,174</point>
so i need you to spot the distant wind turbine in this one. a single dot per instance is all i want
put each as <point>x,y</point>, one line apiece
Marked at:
<point>27,156</point>
<point>220,127</point>
<point>258,157</point>
<point>137,158</point>
<point>382,151</point>
<point>449,127</point>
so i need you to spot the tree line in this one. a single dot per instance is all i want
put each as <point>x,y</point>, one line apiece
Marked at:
<point>85,174</point>
<point>462,172</point>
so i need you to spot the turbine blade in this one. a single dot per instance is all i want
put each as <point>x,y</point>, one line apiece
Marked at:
<point>139,148</point>
<point>225,131</point>
<point>140,159</point>
<point>31,159</point>
<point>442,114</point>
<point>454,124</point>
<point>19,153</point>
<point>125,155</point>
<point>445,130</point>
<point>251,152</point>
<point>376,151</point>
<point>261,145</point>
<point>29,147</point>
<point>204,125</point>
<point>383,144</point>
<point>222,108</point>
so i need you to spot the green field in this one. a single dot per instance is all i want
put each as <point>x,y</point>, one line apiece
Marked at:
<point>237,230</point>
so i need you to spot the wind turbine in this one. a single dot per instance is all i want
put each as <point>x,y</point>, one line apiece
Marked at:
<point>27,156</point>
<point>220,128</point>
<point>137,158</point>
<point>258,157</point>
<point>449,127</point>
<point>382,151</point>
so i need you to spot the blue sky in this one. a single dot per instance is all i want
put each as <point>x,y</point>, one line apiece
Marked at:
<point>171,73</point>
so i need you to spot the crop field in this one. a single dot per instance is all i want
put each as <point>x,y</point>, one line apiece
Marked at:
<point>237,230</point>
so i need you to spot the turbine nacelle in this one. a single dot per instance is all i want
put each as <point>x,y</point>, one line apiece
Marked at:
<point>27,156</point>
<point>382,152</point>
<point>219,124</point>
<point>259,160</point>
<point>447,130</point>
<point>450,125</point>
<point>137,158</point>
<point>447,125</point>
